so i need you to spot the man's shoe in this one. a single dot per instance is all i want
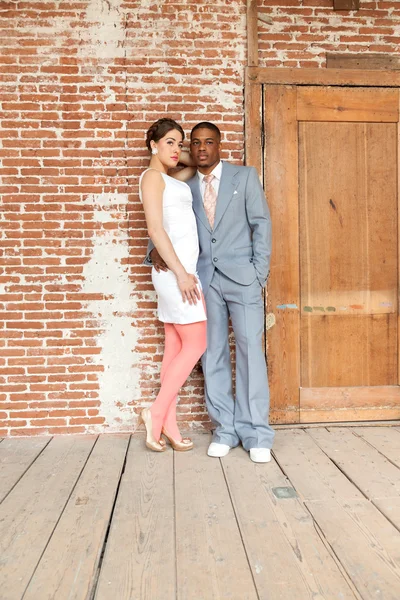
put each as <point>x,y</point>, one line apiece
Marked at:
<point>218,450</point>
<point>260,455</point>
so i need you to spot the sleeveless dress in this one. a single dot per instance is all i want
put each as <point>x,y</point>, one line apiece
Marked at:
<point>180,224</point>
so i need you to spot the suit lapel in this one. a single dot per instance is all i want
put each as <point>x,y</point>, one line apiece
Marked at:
<point>227,187</point>
<point>198,206</point>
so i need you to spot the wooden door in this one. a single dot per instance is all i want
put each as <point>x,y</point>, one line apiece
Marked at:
<point>331,176</point>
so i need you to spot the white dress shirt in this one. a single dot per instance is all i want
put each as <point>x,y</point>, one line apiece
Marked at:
<point>217,172</point>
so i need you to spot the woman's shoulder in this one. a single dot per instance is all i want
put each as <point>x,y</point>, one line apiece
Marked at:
<point>151,175</point>
<point>151,180</point>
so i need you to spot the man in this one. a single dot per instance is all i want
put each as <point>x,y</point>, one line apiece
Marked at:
<point>234,229</point>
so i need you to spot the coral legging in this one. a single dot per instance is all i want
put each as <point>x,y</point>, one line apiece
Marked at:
<point>184,344</point>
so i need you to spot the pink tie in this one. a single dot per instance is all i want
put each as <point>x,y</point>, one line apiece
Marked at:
<point>210,200</point>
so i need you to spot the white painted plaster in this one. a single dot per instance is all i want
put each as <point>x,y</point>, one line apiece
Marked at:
<point>105,35</point>
<point>223,94</point>
<point>105,274</point>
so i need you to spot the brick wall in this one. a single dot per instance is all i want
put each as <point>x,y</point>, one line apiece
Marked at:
<point>299,33</point>
<point>80,347</point>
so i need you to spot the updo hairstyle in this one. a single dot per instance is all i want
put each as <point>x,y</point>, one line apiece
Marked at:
<point>160,128</point>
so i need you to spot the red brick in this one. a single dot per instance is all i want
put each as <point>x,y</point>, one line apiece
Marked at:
<point>87,420</point>
<point>48,422</point>
<point>29,431</point>
<point>14,423</point>
<point>66,430</point>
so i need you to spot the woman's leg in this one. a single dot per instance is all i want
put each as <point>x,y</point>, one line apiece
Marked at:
<point>194,341</point>
<point>170,422</point>
<point>172,348</point>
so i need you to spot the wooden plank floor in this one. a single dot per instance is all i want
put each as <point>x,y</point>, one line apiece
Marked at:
<point>102,518</point>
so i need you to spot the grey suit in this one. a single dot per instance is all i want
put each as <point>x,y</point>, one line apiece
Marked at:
<point>233,267</point>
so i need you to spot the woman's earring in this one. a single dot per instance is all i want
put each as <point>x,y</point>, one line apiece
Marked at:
<point>154,151</point>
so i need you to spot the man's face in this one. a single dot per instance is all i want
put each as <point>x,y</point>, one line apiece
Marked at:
<point>205,147</point>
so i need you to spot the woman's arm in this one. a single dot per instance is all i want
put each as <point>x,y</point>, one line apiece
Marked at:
<point>152,187</point>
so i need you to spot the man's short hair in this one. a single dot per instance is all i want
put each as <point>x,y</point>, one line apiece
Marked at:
<point>206,125</point>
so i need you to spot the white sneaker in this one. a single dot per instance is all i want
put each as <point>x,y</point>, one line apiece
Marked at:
<point>260,455</point>
<point>218,450</point>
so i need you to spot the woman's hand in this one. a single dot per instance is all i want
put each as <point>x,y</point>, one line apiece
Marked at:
<point>188,286</point>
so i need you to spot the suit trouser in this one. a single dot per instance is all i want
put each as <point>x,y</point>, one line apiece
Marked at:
<point>245,418</point>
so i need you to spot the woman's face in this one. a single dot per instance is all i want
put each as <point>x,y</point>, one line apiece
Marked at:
<point>169,148</point>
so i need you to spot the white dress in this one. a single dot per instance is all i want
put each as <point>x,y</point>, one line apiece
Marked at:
<point>180,224</point>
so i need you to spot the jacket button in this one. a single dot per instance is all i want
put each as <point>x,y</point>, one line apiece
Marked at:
<point>215,259</point>
<point>213,240</point>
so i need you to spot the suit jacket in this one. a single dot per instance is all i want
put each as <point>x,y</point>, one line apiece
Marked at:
<point>240,243</point>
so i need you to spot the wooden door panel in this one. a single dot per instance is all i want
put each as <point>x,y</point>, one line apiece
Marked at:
<point>331,180</point>
<point>321,405</point>
<point>348,251</point>
<point>348,215</point>
<point>347,104</point>
<point>348,350</point>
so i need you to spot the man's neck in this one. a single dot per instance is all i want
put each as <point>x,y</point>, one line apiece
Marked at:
<point>208,170</point>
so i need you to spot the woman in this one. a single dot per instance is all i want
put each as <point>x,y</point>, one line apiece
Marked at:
<point>171,225</point>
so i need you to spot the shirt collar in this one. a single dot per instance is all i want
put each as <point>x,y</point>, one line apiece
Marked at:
<point>217,172</point>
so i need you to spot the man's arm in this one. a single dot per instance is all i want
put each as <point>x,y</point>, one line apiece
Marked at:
<point>153,258</point>
<point>147,261</point>
<point>260,222</point>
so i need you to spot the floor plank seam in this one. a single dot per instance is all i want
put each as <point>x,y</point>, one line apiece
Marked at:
<point>95,582</point>
<point>369,499</point>
<point>282,470</point>
<point>341,470</point>
<point>59,518</point>
<point>26,470</point>
<point>377,449</point>
<point>395,525</point>
<point>280,467</point>
<point>239,528</point>
<point>333,554</point>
